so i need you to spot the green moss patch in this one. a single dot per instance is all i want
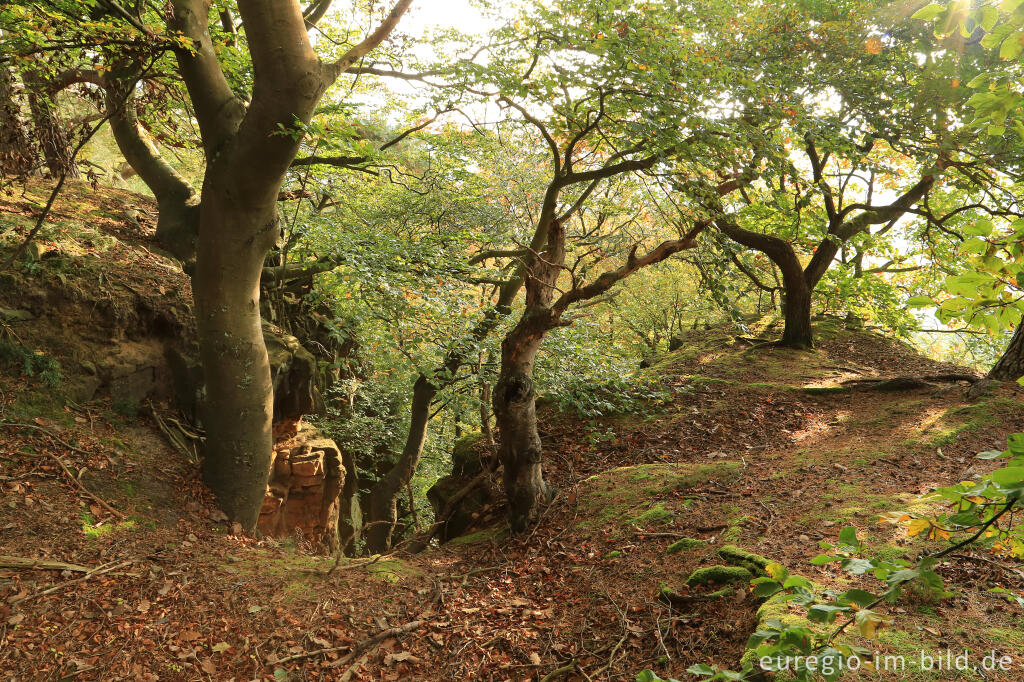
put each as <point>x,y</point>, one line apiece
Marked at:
<point>683,545</point>
<point>636,495</point>
<point>737,556</point>
<point>486,535</point>
<point>719,575</point>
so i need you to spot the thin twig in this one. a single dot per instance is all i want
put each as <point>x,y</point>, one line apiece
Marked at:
<point>559,672</point>
<point>356,648</point>
<point>99,500</point>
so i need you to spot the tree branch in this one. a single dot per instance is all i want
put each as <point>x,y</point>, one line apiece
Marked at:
<point>371,41</point>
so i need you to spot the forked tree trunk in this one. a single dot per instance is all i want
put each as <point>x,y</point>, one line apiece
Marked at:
<point>1010,366</point>
<point>515,411</point>
<point>248,152</point>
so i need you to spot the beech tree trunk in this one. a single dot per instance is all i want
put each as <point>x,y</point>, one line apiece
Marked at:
<point>239,393</point>
<point>797,289</point>
<point>514,399</point>
<point>177,224</point>
<point>797,312</point>
<point>1010,366</point>
<point>515,411</point>
<point>383,505</point>
<point>248,153</point>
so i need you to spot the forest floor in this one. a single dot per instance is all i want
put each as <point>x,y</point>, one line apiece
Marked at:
<point>757,447</point>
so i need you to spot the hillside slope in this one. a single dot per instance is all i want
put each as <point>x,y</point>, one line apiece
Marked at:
<point>761,448</point>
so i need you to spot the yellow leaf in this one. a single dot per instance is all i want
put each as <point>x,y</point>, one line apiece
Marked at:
<point>937,533</point>
<point>916,526</point>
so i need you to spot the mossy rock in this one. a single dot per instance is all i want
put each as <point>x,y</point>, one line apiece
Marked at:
<point>719,575</point>
<point>737,556</point>
<point>684,544</point>
<point>481,536</point>
<point>466,455</point>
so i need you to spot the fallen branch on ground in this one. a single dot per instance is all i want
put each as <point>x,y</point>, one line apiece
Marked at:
<point>358,564</point>
<point>355,649</point>
<point>40,564</point>
<point>99,570</point>
<point>78,484</point>
<point>560,672</point>
<point>179,437</point>
<point>677,599</point>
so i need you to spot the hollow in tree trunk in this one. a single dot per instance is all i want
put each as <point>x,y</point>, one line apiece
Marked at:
<point>1010,366</point>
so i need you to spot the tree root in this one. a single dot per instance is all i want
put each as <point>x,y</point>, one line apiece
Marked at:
<point>907,383</point>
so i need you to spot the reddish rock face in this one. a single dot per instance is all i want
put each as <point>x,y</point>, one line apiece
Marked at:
<point>305,481</point>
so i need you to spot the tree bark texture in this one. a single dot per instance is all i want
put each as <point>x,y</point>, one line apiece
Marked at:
<point>51,133</point>
<point>17,154</point>
<point>1010,365</point>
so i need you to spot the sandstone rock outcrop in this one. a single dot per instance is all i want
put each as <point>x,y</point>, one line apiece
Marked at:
<point>303,493</point>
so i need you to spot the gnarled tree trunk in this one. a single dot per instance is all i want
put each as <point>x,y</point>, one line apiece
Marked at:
<point>514,400</point>
<point>796,302</point>
<point>1010,366</point>
<point>16,152</point>
<point>515,411</point>
<point>51,133</point>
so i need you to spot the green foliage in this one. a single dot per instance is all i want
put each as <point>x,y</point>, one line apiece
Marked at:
<point>31,363</point>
